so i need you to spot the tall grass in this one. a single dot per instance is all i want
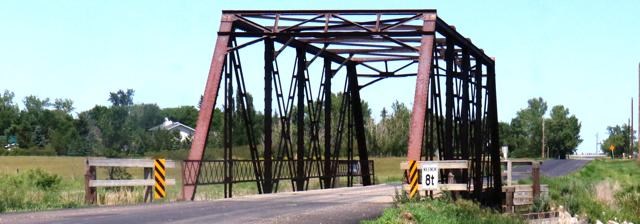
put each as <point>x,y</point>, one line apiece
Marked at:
<point>440,211</point>
<point>34,190</point>
<point>603,190</point>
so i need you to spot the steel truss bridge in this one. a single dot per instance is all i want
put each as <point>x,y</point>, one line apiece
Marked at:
<point>454,114</point>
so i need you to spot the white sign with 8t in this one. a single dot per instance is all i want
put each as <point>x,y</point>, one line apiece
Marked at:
<point>430,176</point>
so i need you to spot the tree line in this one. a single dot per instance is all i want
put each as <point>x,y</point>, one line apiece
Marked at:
<point>47,127</point>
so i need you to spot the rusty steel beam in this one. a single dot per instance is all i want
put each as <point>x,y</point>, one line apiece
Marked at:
<point>335,40</point>
<point>494,148</point>
<point>344,28</point>
<point>344,11</point>
<point>417,130</point>
<point>464,121</point>
<point>478,140</point>
<point>449,102</point>
<point>300,78</point>
<point>388,49</point>
<point>208,102</point>
<point>287,40</point>
<point>327,122</point>
<point>356,107</point>
<point>382,59</point>
<point>327,35</point>
<point>268,128</point>
<point>444,28</point>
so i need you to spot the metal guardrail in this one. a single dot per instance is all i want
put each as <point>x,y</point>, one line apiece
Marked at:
<point>92,183</point>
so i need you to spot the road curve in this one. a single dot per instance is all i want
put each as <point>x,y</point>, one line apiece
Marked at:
<point>341,205</point>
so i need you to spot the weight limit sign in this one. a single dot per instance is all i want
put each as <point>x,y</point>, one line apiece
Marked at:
<point>429,178</point>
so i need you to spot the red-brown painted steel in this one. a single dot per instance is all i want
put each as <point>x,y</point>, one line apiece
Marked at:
<point>208,102</point>
<point>373,39</point>
<point>422,85</point>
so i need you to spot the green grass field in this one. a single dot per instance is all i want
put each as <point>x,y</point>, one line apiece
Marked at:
<point>71,187</point>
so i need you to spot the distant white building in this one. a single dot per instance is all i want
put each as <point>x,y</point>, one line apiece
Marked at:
<point>185,131</point>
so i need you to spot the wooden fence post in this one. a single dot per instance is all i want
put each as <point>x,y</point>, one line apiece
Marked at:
<point>509,173</point>
<point>509,199</point>
<point>148,193</point>
<point>535,176</point>
<point>90,195</point>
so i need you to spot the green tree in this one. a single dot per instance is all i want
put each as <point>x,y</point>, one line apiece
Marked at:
<point>122,98</point>
<point>618,138</point>
<point>9,114</point>
<point>188,115</point>
<point>31,127</point>
<point>526,130</point>
<point>562,132</point>
<point>64,105</point>
<point>35,104</point>
<point>392,132</point>
<point>240,126</point>
<point>61,126</point>
<point>144,116</point>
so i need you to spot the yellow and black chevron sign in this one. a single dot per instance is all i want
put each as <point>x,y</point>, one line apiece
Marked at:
<point>159,172</point>
<point>413,178</point>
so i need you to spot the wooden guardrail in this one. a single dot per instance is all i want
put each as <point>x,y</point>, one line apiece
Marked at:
<point>92,183</point>
<point>516,195</point>
<point>446,165</point>
<point>522,195</point>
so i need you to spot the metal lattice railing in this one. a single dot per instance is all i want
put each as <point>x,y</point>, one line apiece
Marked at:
<point>213,171</point>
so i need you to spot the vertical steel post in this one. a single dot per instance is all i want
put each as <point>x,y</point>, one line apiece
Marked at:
<point>478,134</point>
<point>327,122</point>
<point>356,108</point>
<point>228,128</point>
<point>268,128</point>
<point>300,177</point>
<point>464,126</point>
<point>417,131</point>
<point>208,103</point>
<point>492,121</point>
<point>449,100</point>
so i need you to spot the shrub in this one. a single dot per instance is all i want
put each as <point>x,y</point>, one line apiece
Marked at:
<point>33,189</point>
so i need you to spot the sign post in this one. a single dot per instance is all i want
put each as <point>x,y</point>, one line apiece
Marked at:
<point>611,148</point>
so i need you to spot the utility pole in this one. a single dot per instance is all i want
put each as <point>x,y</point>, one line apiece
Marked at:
<point>639,106</point>
<point>631,131</point>
<point>597,143</point>
<point>543,138</point>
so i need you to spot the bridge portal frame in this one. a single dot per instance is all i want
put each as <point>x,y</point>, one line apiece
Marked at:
<point>373,41</point>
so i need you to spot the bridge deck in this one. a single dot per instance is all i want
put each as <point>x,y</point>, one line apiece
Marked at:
<point>340,205</point>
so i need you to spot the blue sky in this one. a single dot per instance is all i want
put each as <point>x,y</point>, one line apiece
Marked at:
<point>582,54</point>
